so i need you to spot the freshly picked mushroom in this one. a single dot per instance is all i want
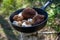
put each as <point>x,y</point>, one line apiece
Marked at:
<point>20,23</point>
<point>15,23</point>
<point>26,24</point>
<point>18,18</point>
<point>28,13</point>
<point>38,19</point>
<point>20,14</point>
<point>15,17</point>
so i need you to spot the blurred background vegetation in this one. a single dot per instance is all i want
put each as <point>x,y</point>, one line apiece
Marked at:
<point>7,7</point>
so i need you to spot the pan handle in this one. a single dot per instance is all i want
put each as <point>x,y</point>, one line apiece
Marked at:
<point>47,4</point>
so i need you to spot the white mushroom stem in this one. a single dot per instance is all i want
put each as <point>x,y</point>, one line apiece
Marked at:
<point>30,20</point>
<point>20,14</point>
<point>15,23</point>
<point>20,23</point>
<point>25,25</point>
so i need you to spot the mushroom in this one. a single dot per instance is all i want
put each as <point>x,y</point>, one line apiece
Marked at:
<point>26,24</point>
<point>20,14</point>
<point>30,20</point>
<point>18,18</point>
<point>20,23</point>
<point>38,19</point>
<point>15,17</point>
<point>15,23</point>
<point>28,13</point>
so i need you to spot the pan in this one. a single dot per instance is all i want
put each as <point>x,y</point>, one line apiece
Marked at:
<point>33,28</point>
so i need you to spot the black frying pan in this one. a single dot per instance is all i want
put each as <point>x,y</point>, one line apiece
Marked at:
<point>33,28</point>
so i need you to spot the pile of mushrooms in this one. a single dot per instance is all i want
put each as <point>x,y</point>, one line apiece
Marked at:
<point>27,18</point>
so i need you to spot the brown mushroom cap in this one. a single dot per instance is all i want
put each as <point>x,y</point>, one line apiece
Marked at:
<point>18,18</point>
<point>38,19</point>
<point>28,13</point>
<point>15,17</point>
